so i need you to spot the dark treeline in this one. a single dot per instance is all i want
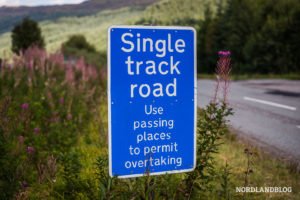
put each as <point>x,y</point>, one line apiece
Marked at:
<point>263,36</point>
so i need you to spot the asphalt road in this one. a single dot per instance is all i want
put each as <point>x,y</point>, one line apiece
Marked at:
<point>267,113</point>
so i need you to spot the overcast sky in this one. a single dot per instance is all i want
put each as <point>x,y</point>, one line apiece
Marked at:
<point>37,2</point>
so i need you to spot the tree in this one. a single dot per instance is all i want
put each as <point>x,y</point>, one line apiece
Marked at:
<point>26,34</point>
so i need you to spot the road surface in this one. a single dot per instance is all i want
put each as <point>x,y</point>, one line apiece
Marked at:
<point>267,112</point>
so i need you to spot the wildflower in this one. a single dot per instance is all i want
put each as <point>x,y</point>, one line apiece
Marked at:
<point>224,53</point>
<point>30,150</point>
<point>69,116</point>
<point>36,130</point>
<point>54,119</point>
<point>222,72</point>
<point>24,184</point>
<point>21,139</point>
<point>61,100</point>
<point>69,76</point>
<point>25,106</point>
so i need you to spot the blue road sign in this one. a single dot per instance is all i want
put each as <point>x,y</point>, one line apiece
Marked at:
<point>151,100</point>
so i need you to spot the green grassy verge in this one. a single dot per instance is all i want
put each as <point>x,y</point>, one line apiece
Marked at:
<point>267,171</point>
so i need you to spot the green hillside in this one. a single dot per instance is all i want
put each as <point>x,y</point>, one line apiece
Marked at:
<point>9,16</point>
<point>94,27</point>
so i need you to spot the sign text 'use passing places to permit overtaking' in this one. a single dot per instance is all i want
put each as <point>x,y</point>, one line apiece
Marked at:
<point>151,100</point>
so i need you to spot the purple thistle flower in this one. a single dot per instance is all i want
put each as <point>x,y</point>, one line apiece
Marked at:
<point>36,130</point>
<point>25,106</point>
<point>30,150</point>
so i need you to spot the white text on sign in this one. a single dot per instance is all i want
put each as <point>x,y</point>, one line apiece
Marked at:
<point>134,43</point>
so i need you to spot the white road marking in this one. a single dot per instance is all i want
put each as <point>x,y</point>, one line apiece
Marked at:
<point>298,126</point>
<point>270,103</point>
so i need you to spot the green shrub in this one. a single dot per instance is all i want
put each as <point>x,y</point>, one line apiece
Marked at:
<point>78,42</point>
<point>77,46</point>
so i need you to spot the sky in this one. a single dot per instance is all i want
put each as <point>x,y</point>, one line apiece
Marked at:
<point>37,2</point>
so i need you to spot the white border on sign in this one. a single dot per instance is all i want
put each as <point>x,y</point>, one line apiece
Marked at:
<point>109,97</point>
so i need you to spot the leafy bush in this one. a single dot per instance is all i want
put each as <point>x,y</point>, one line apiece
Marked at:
<point>77,46</point>
<point>78,42</point>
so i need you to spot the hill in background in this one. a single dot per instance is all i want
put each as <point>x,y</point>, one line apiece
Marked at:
<point>94,26</point>
<point>9,16</point>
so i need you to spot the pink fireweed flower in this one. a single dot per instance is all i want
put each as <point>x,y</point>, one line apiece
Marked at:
<point>69,76</point>
<point>61,100</point>
<point>69,116</point>
<point>222,72</point>
<point>25,106</point>
<point>21,139</point>
<point>30,150</point>
<point>36,130</point>
<point>224,53</point>
<point>92,72</point>
<point>35,53</point>
<point>57,59</point>
<point>80,64</point>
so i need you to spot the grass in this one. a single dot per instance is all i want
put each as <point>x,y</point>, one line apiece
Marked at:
<point>267,171</point>
<point>94,144</point>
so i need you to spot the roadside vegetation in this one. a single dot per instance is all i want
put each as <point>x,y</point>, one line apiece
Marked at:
<point>54,138</point>
<point>53,112</point>
<point>54,142</point>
